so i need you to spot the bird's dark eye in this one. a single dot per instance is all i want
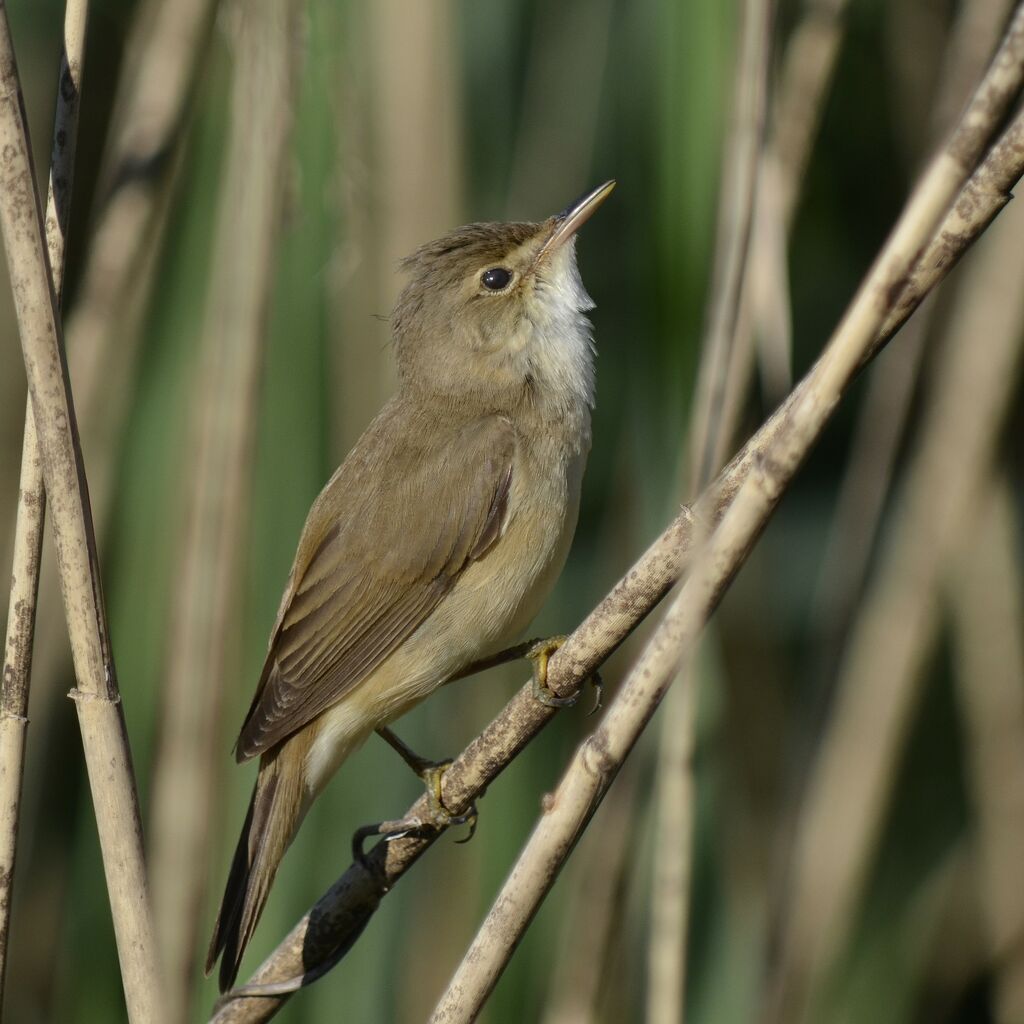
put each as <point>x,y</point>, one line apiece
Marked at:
<point>496,278</point>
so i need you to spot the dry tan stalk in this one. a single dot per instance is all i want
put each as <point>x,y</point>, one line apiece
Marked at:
<point>31,514</point>
<point>187,767</point>
<point>707,441</point>
<point>987,597</point>
<point>580,974</point>
<point>867,477</point>
<point>166,46</point>
<point>803,84</point>
<point>599,758</point>
<point>883,415</point>
<point>163,59</point>
<point>403,153</point>
<point>796,109</point>
<point>324,935</point>
<point>675,808</point>
<point>21,615</point>
<point>741,162</point>
<point>806,75</point>
<point>879,679</point>
<point>164,49</point>
<point>97,700</point>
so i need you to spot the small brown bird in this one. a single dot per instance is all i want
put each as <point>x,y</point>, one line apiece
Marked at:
<point>436,541</point>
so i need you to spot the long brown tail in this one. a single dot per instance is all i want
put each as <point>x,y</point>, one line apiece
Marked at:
<point>275,812</point>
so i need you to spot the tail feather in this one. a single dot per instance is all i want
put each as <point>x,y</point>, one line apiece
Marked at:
<point>275,811</point>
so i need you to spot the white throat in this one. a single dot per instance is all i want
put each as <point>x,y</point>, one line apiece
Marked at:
<point>557,347</point>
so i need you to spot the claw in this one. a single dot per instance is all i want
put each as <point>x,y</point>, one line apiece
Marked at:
<point>598,683</point>
<point>469,818</point>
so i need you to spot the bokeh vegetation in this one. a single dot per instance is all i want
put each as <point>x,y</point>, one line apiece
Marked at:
<point>413,118</point>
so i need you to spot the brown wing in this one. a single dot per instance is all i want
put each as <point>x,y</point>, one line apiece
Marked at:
<point>391,533</point>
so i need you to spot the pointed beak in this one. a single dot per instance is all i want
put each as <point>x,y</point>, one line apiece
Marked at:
<point>574,216</point>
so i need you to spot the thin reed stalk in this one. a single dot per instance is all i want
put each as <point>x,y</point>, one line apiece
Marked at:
<point>188,762</point>
<point>884,414</point>
<point>97,699</point>
<point>31,512</point>
<point>165,52</point>
<point>675,787</point>
<point>763,316</point>
<point>164,58</point>
<point>986,594</point>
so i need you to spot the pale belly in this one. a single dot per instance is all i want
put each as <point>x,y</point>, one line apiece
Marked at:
<point>489,607</point>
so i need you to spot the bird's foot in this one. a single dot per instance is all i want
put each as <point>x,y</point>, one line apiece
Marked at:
<point>539,655</point>
<point>430,773</point>
<point>438,816</point>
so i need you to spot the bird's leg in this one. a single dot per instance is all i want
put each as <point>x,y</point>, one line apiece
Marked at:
<point>492,660</point>
<point>421,766</point>
<point>432,772</point>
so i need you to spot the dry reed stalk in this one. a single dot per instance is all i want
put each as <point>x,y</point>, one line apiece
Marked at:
<point>883,416</point>
<point>794,116</point>
<point>581,971</point>
<point>804,81</point>
<point>102,329</point>
<point>555,118</point>
<point>164,54</point>
<point>741,162</point>
<point>405,165</point>
<point>879,679</point>
<point>31,513</point>
<point>189,756</point>
<point>97,700</point>
<point>986,592</point>
<point>597,761</point>
<point>674,791</point>
<point>675,813</point>
<point>165,50</point>
<point>21,622</point>
<point>323,936</point>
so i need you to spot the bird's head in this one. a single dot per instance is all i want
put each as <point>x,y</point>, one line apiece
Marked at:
<point>499,308</point>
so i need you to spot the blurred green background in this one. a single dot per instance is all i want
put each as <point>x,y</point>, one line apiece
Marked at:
<point>412,118</point>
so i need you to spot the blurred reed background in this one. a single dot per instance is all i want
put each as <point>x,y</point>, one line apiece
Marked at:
<point>248,177</point>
